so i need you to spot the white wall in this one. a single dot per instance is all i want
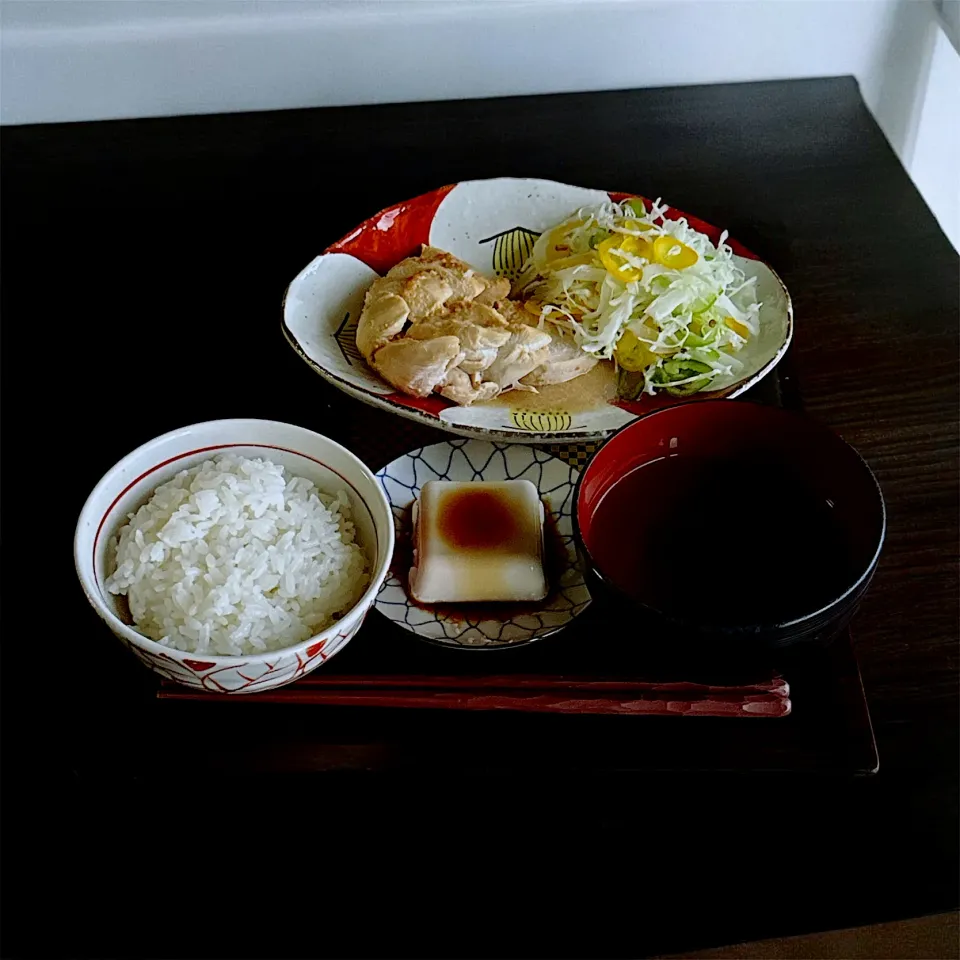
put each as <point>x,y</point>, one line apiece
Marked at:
<point>81,60</point>
<point>934,162</point>
<point>913,90</point>
<point>86,59</point>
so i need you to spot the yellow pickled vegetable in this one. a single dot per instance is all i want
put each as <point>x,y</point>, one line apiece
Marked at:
<point>558,243</point>
<point>617,265</point>
<point>672,253</point>
<point>632,353</point>
<point>737,327</point>
<point>577,260</point>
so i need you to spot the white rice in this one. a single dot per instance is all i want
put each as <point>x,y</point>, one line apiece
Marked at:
<point>232,557</point>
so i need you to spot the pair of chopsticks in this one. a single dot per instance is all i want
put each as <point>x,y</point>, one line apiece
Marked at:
<point>552,694</point>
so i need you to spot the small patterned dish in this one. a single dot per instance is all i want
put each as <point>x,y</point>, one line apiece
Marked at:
<point>493,626</point>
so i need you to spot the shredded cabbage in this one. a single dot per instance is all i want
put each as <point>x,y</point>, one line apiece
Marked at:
<point>605,272</point>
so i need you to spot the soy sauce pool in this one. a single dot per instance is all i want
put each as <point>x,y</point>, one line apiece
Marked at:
<point>732,543</point>
<point>555,563</point>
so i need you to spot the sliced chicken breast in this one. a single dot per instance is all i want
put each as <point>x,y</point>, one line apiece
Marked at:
<point>433,324</point>
<point>460,388</point>
<point>525,350</point>
<point>564,361</point>
<point>418,367</point>
<point>480,329</point>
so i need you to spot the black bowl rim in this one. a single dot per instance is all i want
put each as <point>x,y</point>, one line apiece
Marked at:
<point>755,628</point>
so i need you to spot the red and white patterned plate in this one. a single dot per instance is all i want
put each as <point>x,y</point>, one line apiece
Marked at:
<point>491,224</point>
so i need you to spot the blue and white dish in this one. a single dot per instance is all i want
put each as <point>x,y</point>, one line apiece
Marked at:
<point>474,460</point>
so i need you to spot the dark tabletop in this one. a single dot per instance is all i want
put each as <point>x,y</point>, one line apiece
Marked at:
<point>143,265</point>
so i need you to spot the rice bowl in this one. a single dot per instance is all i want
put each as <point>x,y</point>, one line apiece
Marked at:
<point>337,475</point>
<point>233,557</point>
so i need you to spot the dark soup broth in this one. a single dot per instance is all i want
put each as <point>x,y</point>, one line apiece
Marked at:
<point>735,542</point>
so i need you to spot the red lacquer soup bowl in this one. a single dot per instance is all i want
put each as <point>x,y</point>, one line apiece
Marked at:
<point>728,527</point>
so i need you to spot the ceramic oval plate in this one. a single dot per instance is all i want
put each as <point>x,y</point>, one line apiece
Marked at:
<point>492,225</point>
<point>473,460</point>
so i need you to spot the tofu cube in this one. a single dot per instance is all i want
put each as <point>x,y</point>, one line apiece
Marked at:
<point>478,542</point>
